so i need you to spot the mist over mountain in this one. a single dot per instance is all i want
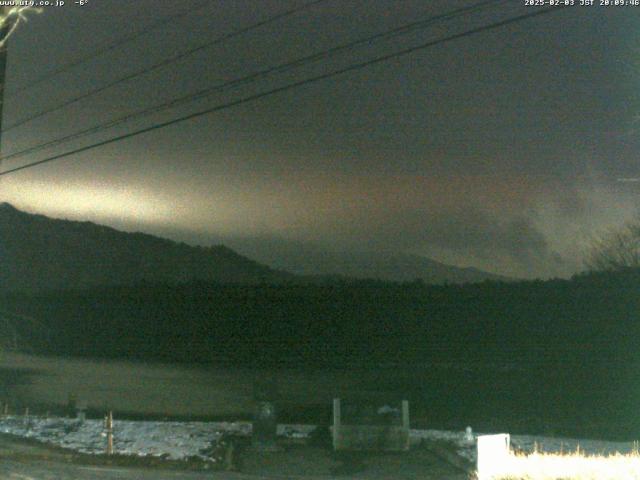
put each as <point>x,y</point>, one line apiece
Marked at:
<point>41,253</point>
<point>305,259</point>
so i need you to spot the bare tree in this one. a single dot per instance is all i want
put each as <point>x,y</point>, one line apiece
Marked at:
<point>616,249</point>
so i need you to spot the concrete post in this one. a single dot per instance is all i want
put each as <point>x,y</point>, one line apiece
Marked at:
<point>265,422</point>
<point>108,424</point>
<point>81,411</point>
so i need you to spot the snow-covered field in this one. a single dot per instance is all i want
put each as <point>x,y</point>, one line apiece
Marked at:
<point>183,440</point>
<point>171,440</point>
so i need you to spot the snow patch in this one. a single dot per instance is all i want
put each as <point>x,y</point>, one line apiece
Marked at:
<point>183,440</point>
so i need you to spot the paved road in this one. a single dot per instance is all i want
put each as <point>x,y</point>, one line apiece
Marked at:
<point>49,470</point>
<point>54,470</point>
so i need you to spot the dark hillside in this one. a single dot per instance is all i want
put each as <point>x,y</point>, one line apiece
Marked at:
<point>39,253</point>
<point>581,320</point>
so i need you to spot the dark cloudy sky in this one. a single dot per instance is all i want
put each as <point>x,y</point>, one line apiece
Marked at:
<point>502,150</point>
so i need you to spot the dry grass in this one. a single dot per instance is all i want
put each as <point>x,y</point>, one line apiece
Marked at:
<point>571,466</point>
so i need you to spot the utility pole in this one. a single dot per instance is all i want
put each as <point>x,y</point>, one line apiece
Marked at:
<point>10,17</point>
<point>4,32</point>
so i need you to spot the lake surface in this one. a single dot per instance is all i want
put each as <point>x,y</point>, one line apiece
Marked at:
<point>508,397</point>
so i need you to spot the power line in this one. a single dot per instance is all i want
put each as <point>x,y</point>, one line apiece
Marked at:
<point>287,87</point>
<point>164,63</point>
<point>280,68</point>
<point>110,47</point>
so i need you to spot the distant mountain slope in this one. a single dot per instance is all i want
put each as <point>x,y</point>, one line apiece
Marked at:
<point>40,253</point>
<point>303,259</point>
